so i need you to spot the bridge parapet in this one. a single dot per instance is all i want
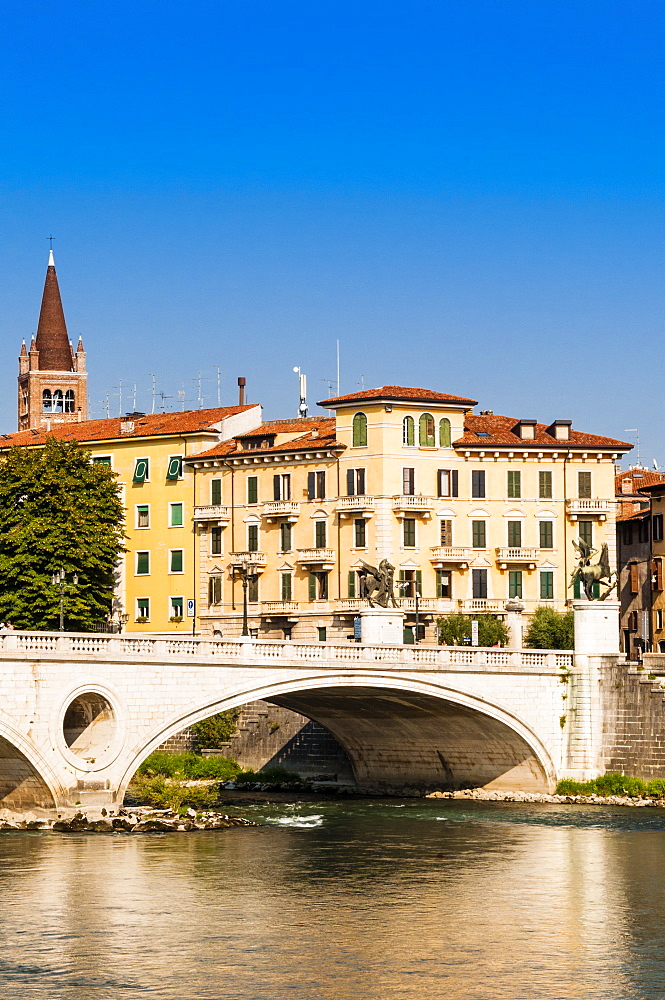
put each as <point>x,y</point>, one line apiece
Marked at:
<point>271,652</point>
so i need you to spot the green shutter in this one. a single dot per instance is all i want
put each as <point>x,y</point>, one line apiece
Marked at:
<point>514,534</point>
<point>545,485</point>
<point>216,492</point>
<point>286,586</point>
<point>360,430</point>
<point>444,433</point>
<point>515,583</point>
<point>478,534</point>
<point>252,489</point>
<point>514,485</point>
<point>176,560</point>
<point>546,586</point>
<point>176,515</point>
<point>174,470</point>
<point>142,563</point>
<point>419,581</point>
<point>352,583</point>
<point>546,535</point>
<point>312,586</point>
<point>141,470</point>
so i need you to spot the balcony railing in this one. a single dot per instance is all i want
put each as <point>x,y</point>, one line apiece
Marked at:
<point>589,508</point>
<point>481,604</point>
<point>413,504</point>
<point>280,607</point>
<point>281,509</point>
<point>347,506</point>
<point>255,560</point>
<point>440,554</point>
<point>213,512</point>
<point>514,554</point>
<point>320,557</point>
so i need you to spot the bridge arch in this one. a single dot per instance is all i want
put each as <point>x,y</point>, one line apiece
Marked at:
<point>27,782</point>
<point>398,732</point>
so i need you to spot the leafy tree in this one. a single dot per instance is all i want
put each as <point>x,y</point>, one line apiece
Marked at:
<point>453,629</point>
<point>209,734</point>
<point>58,509</point>
<point>549,629</point>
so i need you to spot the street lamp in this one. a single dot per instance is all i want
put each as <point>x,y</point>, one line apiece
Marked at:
<point>246,573</point>
<point>58,580</point>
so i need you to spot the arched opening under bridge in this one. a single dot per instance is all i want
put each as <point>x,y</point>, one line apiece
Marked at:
<point>22,788</point>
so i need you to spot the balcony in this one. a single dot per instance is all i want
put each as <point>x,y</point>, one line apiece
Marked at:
<point>481,604</point>
<point>279,608</point>
<point>441,555</point>
<point>282,510</point>
<point>256,561</point>
<point>354,506</point>
<point>600,509</point>
<point>214,513</point>
<point>404,506</point>
<point>321,558</point>
<point>424,603</point>
<point>511,554</point>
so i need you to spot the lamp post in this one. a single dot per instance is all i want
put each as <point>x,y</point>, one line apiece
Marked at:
<point>246,572</point>
<point>58,579</point>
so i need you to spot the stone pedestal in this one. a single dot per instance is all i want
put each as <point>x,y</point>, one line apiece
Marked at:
<point>382,626</point>
<point>514,623</point>
<point>597,627</point>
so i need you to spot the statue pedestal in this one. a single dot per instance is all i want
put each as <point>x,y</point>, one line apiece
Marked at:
<point>382,626</point>
<point>597,627</point>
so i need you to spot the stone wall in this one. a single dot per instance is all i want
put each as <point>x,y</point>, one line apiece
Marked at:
<point>633,712</point>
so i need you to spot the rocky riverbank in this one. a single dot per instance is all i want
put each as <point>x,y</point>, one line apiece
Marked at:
<point>134,820</point>
<point>485,795</point>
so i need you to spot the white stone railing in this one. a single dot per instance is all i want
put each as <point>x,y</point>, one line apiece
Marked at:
<point>589,506</point>
<point>354,504</point>
<point>69,646</point>
<point>257,560</point>
<point>413,502</point>
<point>516,554</point>
<point>211,513</point>
<point>282,508</point>
<point>450,553</point>
<point>316,556</point>
<point>279,607</point>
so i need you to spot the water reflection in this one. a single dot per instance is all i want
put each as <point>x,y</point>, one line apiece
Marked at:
<point>371,901</point>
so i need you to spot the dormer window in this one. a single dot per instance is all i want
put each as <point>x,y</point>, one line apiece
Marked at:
<point>408,431</point>
<point>360,431</point>
<point>426,431</point>
<point>47,401</point>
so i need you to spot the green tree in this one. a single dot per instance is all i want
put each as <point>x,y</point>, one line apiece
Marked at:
<point>549,629</point>
<point>209,734</point>
<point>58,509</point>
<point>453,629</point>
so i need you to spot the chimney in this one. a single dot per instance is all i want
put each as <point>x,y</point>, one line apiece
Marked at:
<point>242,382</point>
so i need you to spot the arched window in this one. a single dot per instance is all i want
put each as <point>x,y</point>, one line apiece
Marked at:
<point>46,401</point>
<point>57,401</point>
<point>444,433</point>
<point>360,431</point>
<point>426,431</point>
<point>69,401</point>
<point>408,431</point>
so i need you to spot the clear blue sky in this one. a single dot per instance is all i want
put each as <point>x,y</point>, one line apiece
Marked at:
<point>467,193</point>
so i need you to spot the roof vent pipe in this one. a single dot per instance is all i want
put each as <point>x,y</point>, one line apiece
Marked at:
<point>242,382</point>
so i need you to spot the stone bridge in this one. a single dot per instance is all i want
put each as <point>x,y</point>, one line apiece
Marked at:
<point>79,713</point>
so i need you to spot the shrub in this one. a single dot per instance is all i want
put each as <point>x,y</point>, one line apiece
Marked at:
<point>548,629</point>
<point>210,733</point>
<point>453,629</point>
<point>162,793</point>
<point>613,784</point>
<point>188,767</point>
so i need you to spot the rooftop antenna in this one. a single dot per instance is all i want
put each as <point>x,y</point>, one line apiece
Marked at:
<point>134,399</point>
<point>154,390</point>
<point>164,396</point>
<point>181,398</point>
<point>361,383</point>
<point>218,369</point>
<point>120,397</point>
<point>636,432</point>
<point>302,382</point>
<point>105,405</point>
<point>198,380</point>
<point>338,366</point>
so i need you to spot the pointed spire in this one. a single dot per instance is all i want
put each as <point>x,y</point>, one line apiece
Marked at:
<point>51,261</point>
<point>24,352</point>
<point>52,340</point>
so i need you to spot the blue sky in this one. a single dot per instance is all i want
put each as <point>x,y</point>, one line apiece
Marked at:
<point>469,195</point>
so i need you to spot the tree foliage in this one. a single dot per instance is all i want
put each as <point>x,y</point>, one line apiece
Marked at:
<point>209,734</point>
<point>549,629</point>
<point>453,629</point>
<point>57,510</point>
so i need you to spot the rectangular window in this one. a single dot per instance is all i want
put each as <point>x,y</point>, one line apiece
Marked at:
<point>643,530</point>
<point>177,607</point>
<point>142,563</point>
<point>351,585</point>
<point>316,485</point>
<point>322,633</point>
<point>216,492</point>
<point>176,561</point>
<point>355,482</point>
<point>252,489</point>
<point>656,574</point>
<point>546,534</point>
<point>214,590</point>
<point>215,541</point>
<point>634,578</point>
<point>101,460</point>
<point>659,619</point>
<point>627,534</point>
<point>143,516</point>
<point>657,527</point>
<point>585,531</point>
<point>318,586</point>
<point>408,482</point>
<point>446,534</point>
<point>174,470</point>
<point>141,470</point>
<point>253,588</point>
<point>409,532</point>
<point>143,608</point>
<point>478,483</point>
<point>320,534</point>
<point>285,537</point>
<point>514,484</point>
<point>286,587</point>
<point>479,583</point>
<point>515,534</point>
<point>545,485</point>
<point>176,515</point>
<point>547,586</point>
<point>515,583</point>
<point>360,532</point>
<point>443,583</point>
<point>478,535</point>
<point>584,485</point>
<point>252,538</point>
<point>447,483</point>
<point>281,486</point>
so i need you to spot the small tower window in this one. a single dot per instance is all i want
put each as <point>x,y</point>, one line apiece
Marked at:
<point>426,431</point>
<point>360,431</point>
<point>69,401</point>
<point>57,401</point>
<point>47,403</point>
<point>408,436</point>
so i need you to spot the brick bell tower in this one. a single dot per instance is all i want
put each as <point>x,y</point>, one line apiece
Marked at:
<point>52,380</point>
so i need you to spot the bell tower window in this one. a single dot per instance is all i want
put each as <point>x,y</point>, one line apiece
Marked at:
<point>57,401</point>
<point>69,401</point>
<point>47,404</point>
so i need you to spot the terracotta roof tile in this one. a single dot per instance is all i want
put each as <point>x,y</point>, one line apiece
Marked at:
<point>319,436</point>
<point>638,479</point>
<point>397,393</point>
<point>187,422</point>
<point>487,431</point>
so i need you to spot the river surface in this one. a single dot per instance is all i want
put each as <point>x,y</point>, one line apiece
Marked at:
<point>357,900</point>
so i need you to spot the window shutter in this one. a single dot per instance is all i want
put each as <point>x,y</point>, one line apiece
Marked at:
<point>419,581</point>
<point>455,481</point>
<point>350,482</point>
<point>444,433</point>
<point>352,583</point>
<point>312,586</point>
<point>360,482</point>
<point>515,534</point>
<point>320,485</point>
<point>286,586</point>
<point>210,591</point>
<point>141,470</point>
<point>320,534</point>
<point>659,574</point>
<point>252,489</point>
<point>584,485</point>
<point>446,532</point>
<point>216,492</point>
<point>311,480</point>
<point>634,579</point>
<point>276,491</point>
<point>174,470</point>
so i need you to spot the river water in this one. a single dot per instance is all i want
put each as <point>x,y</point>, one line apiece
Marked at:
<point>357,900</point>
